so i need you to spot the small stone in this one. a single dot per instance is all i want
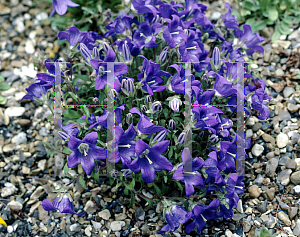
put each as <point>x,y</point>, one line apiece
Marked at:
<point>29,47</point>
<point>15,206</point>
<point>117,225</point>
<point>10,229</point>
<point>293,108</point>
<point>296,230</point>
<point>290,164</point>
<point>75,227</point>
<point>246,226</point>
<point>284,217</point>
<point>288,91</point>
<point>9,148</point>
<point>97,225</point>
<point>282,140</point>
<point>42,213</point>
<point>271,193</point>
<point>140,213</point>
<point>15,111</point>
<point>292,211</point>
<point>42,164</point>
<point>215,16</point>
<point>87,230</point>
<point>257,150</point>
<point>284,177</point>
<point>281,44</point>
<point>120,217</point>
<point>295,178</point>
<point>271,167</point>
<point>254,191</point>
<point>25,170</point>
<point>37,193</point>
<point>105,214</point>
<point>145,230</point>
<point>20,139</point>
<point>279,72</point>
<point>269,138</point>
<point>270,155</point>
<point>90,207</point>
<point>7,191</point>
<point>24,122</point>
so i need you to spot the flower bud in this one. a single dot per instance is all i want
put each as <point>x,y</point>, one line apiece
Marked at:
<point>181,138</point>
<point>114,173</point>
<point>105,47</point>
<point>95,100</point>
<point>85,52</point>
<point>205,37</point>
<point>63,135</point>
<point>96,53</point>
<point>127,173</point>
<point>160,136</point>
<point>144,108</point>
<point>174,104</point>
<point>129,118</point>
<point>172,124</point>
<point>128,85</point>
<point>113,94</point>
<point>126,52</point>
<point>216,57</point>
<point>163,55</point>
<point>148,99</point>
<point>213,138</point>
<point>156,106</point>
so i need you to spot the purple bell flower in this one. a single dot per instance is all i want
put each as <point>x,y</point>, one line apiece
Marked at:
<point>234,188</point>
<point>35,90</point>
<point>85,152</point>
<point>64,205</point>
<point>175,216</point>
<point>201,214</point>
<point>85,52</point>
<point>230,19</point>
<point>124,146</point>
<point>144,125</point>
<point>189,49</point>
<point>61,6</point>
<point>149,159</point>
<point>192,177</point>
<point>160,136</point>
<point>172,33</point>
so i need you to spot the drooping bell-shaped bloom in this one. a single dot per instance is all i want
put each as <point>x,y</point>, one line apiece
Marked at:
<point>64,205</point>
<point>69,130</point>
<point>35,90</point>
<point>214,167</point>
<point>175,216</point>
<point>61,6</point>
<point>72,35</point>
<point>85,152</point>
<point>235,187</point>
<point>133,47</point>
<point>149,159</point>
<point>160,136</point>
<point>166,10</point>
<point>252,40</point>
<point>124,146</point>
<point>222,86</point>
<point>102,71</point>
<point>189,49</point>
<point>145,35</point>
<point>146,6</point>
<point>121,23</point>
<point>144,125</point>
<point>190,177</point>
<point>259,101</point>
<point>173,31</point>
<point>230,19</point>
<point>201,214</point>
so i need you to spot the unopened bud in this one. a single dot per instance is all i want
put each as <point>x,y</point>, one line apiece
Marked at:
<point>144,108</point>
<point>172,124</point>
<point>127,173</point>
<point>163,55</point>
<point>129,118</point>
<point>181,138</point>
<point>148,99</point>
<point>213,138</point>
<point>216,57</point>
<point>156,106</point>
<point>126,52</point>
<point>160,136</point>
<point>105,47</point>
<point>205,37</point>
<point>174,104</point>
<point>63,135</point>
<point>85,52</point>
<point>96,53</point>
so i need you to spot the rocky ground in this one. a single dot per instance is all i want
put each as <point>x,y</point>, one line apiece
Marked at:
<point>27,175</point>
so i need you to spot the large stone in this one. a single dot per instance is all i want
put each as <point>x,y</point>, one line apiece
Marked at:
<point>295,178</point>
<point>117,225</point>
<point>14,111</point>
<point>257,150</point>
<point>15,206</point>
<point>254,191</point>
<point>105,214</point>
<point>284,176</point>
<point>284,217</point>
<point>282,140</point>
<point>288,91</point>
<point>268,138</point>
<point>292,211</point>
<point>271,167</point>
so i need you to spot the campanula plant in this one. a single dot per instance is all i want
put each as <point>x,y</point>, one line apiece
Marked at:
<point>155,79</point>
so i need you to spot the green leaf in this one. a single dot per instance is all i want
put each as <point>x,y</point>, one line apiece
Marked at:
<point>287,20</point>
<point>276,36</point>
<point>67,150</point>
<point>72,114</point>
<point>157,189</point>
<point>111,181</point>
<point>66,169</point>
<point>1,78</point>
<point>126,191</point>
<point>4,86</point>
<point>165,179</point>
<point>81,181</point>
<point>179,185</point>
<point>250,21</point>
<point>273,14</point>
<point>170,153</point>
<point>259,26</point>
<point>131,200</point>
<point>149,201</point>
<point>283,28</point>
<point>237,15</point>
<point>58,190</point>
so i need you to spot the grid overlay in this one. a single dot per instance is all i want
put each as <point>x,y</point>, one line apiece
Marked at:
<point>188,116</point>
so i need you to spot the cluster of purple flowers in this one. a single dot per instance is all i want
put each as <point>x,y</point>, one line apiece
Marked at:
<point>184,30</point>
